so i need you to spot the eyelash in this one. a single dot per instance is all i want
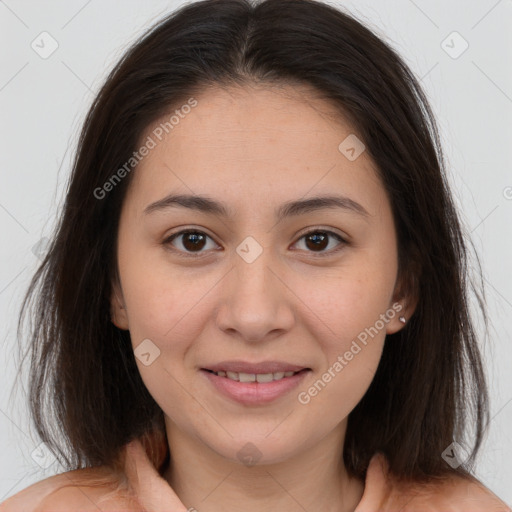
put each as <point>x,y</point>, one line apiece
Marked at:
<point>167,242</point>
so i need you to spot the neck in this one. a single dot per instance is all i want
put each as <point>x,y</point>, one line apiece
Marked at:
<point>313,478</point>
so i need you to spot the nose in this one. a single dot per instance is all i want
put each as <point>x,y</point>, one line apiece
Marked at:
<point>257,303</point>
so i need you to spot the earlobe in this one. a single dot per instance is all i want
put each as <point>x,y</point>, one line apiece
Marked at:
<point>403,312</point>
<point>117,309</point>
<point>405,299</point>
<point>119,319</point>
<point>396,317</point>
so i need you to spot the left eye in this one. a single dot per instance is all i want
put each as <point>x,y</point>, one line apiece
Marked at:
<point>194,241</point>
<point>318,239</point>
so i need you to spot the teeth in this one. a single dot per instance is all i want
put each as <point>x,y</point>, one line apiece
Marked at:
<point>254,377</point>
<point>265,377</point>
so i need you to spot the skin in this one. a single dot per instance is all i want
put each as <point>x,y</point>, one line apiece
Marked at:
<point>254,148</point>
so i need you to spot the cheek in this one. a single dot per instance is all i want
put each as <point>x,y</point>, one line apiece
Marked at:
<point>351,310</point>
<point>166,313</point>
<point>157,294</point>
<point>165,310</point>
<point>348,327</point>
<point>345,301</point>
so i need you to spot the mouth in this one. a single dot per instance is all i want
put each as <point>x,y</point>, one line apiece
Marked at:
<point>255,377</point>
<point>254,389</point>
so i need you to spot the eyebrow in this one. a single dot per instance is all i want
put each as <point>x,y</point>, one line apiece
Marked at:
<point>208,205</point>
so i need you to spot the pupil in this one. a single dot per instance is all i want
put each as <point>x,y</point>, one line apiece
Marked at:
<point>196,243</point>
<point>318,240</point>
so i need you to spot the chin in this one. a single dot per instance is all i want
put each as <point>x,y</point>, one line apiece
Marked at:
<point>250,450</point>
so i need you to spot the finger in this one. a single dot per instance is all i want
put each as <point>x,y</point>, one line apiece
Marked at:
<point>153,492</point>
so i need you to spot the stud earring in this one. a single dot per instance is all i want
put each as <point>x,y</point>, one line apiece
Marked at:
<point>402,319</point>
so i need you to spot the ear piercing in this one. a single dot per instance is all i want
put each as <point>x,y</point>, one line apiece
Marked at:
<point>402,319</point>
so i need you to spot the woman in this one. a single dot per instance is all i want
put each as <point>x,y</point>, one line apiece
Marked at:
<point>256,295</point>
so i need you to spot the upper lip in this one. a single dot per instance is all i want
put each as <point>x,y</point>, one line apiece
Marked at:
<point>263,367</point>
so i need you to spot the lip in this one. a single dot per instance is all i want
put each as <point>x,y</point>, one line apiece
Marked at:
<point>262,367</point>
<point>254,393</point>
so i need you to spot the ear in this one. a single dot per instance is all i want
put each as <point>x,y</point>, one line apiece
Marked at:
<point>118,313</point>
<point>405,299</point>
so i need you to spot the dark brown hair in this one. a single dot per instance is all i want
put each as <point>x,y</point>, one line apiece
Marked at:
<point>87,398</point>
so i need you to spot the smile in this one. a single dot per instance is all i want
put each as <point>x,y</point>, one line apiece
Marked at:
<point>254,388</point>
<point>253,377</point>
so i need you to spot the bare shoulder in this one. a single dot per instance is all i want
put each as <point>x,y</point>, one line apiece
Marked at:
<point>81,490</point>
<point>457,494</point>
<point>474,496</point>
<point>441,493</point>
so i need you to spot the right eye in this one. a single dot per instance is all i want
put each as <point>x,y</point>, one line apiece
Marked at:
<point>192,242</point>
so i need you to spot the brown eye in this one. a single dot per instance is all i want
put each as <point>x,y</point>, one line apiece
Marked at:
<point>318,241</point>
<point>191,241</point>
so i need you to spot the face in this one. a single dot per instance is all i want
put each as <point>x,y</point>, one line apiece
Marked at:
<point>314,287</point>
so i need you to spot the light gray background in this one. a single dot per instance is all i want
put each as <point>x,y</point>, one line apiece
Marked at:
<point>43,102</point>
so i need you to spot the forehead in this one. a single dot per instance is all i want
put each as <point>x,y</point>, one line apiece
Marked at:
<point>283,141</point>
<point>258,114</point>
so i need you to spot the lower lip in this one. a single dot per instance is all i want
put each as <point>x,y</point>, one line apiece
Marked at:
<point>252,393</point>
